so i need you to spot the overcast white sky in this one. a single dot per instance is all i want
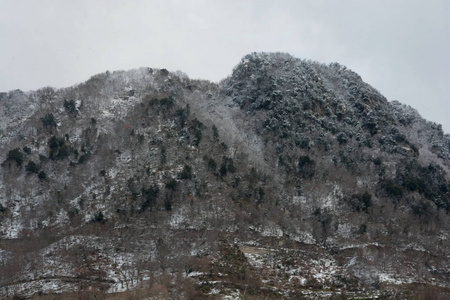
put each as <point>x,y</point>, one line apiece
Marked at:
<point>402,48</point>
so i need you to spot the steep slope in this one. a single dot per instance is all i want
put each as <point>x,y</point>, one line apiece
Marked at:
<point>286,176</point>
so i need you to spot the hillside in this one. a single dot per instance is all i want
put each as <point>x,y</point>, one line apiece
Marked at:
<point>289,179</point>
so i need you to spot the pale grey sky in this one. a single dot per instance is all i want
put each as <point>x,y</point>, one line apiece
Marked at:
<point>402,48</point>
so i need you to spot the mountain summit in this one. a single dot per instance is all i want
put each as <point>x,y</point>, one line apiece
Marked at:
<point>289,179</point>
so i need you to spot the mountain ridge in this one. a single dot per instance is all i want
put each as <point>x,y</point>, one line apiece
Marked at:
<point>146,168</point>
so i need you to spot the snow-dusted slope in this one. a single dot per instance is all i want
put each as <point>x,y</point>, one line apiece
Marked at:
<point>287,176</point>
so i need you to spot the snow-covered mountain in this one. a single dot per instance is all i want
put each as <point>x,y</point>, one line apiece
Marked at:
<point>288,179</point>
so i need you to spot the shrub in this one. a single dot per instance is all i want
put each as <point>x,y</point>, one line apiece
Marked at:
<point>414,183</point>
<point>15,155</point>
<point>342,138</point>
<point>305,166</point>
<point>304,161</point>
<point>84,158</point>
<point>423,210</point>
<point>361,202</point>
<point>152,101</point>
<point>49,121</point>
<point>27,150</point>
<point>230,165</point>
<point>70,106</point>
<point>164,72</point>
<point>42,175</point>
<point>46,93</point>
<point>371,126</point>
<point>227,166</point>
<point>303,143</point>
<point>167,102</point>
<point>223,169</point>
<point>212,165</point>
<point>198,137</point>
<point>99,218</point>
<point>54,142</point>
<point>63,152</point>
<point>215,133</point>
<point>362,229</point>
<point>32,167</point>
<point>150,196</point>
<point>182,116</point>
<point>168,204</point>
<point>171,184</point>
<point>196,128</point>
<point>366,199</point>
<point>186,173</point>
<point>377,161</point>
<point>163,155</point>
<point>392,189</point>
<point>58,148</point>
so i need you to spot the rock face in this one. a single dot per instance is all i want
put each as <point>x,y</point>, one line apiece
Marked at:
<point>288,179</point>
